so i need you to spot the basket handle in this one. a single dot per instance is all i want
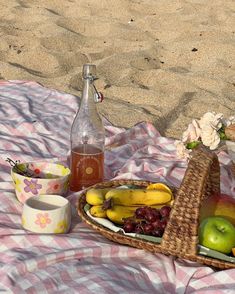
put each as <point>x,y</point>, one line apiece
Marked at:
<point>201,179</point>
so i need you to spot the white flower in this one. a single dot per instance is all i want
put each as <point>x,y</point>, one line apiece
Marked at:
<point>207,130</point>
<point>192,133</point>
<point>210,137</point>
<point>181,150</point>
<point>211,119</point>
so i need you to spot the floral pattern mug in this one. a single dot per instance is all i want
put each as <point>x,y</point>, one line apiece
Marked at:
<point>48,214</point>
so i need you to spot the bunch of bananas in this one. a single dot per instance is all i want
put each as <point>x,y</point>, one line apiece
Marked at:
<point>117,204</point>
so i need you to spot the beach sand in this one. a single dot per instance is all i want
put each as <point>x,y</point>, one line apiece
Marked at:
<point>157,60</point>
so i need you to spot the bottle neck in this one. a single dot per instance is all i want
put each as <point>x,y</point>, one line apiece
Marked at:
<point>87,93</point>
<point>87,127</point>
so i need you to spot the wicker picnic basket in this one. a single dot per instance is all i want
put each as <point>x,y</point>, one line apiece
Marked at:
<point>180,238</point>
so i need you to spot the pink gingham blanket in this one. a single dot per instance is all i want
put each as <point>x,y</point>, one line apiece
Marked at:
<point>35,123</point>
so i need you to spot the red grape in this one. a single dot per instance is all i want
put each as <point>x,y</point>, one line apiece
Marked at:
<point>163,223</point>
<point>150,216</point>
<point>157,232</point>
<point>147,209</point>
<point>147,228</point>
<point>148,220</point>
<point>156,212</point>
<point>156,224</point>
<point>140,212</point>
<point>138,229</point>
<point>165,211</point>
<point>129,227</point>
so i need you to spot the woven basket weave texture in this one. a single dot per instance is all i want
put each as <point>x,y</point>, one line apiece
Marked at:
<point>180,238</point>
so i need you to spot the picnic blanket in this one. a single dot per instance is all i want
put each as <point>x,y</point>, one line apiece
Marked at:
<point>35,124</point>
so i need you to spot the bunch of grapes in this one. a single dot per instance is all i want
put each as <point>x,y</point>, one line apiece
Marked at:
<point>148,221</point>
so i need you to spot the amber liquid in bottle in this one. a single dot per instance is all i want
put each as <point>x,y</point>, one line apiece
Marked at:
<point>87,137</point>
<point>87,163</point>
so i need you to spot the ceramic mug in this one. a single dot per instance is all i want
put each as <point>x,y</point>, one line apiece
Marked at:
<point>38,178</point>
<point>47,214</point>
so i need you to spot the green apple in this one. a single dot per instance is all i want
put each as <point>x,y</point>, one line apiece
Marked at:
<point>217,233</point>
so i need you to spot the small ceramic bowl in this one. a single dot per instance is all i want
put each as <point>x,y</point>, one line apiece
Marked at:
<point>38,178</point>
<point>47,214</point>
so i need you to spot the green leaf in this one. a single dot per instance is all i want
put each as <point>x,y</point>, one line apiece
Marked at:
<point>193,144</point>
<point>221,132</point>
<point>223,137</point>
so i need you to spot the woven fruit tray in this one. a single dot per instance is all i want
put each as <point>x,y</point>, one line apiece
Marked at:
<point>180,238</point>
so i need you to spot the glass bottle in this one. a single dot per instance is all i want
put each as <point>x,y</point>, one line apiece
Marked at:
<point>87,137</point>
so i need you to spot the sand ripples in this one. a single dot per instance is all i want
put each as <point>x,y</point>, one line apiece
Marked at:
<point>157,60</point>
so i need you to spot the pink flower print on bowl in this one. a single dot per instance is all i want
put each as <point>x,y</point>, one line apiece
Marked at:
<point>54,187</point>
<point>42,220</point>
<point>32,186</point>
<point>22,197</point>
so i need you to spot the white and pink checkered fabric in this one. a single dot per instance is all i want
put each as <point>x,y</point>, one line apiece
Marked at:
<point>34,124</point>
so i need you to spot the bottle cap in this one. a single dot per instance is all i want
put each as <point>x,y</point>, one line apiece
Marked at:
<point>99,97</point>
<point>89,71</point>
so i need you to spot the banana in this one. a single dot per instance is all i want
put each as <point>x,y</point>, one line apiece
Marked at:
<point>97,211</point>
<point>136,197</point>
<point>117,213</point>
<point>96,196</point>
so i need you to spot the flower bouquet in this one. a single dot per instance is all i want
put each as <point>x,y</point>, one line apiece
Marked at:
<point>212,130</point>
